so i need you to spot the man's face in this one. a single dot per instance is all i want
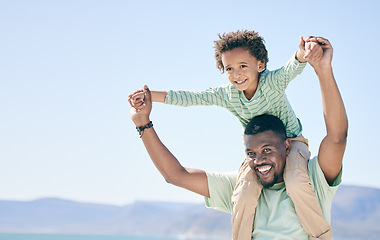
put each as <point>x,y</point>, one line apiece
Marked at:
<point>266,154</point>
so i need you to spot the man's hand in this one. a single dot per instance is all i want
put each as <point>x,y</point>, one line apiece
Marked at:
<point>140,110</point>
<point>137,99</point>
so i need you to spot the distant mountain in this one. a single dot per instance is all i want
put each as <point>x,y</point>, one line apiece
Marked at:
<point>355,215</point>
<point>51,215</point>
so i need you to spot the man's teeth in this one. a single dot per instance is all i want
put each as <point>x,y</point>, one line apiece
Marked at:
<point>264,168</point>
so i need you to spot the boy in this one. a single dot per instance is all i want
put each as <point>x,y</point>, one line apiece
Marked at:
<point>253,90</point>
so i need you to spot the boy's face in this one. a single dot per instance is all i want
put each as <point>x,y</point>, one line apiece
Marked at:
<point>242,70</point>
<point>266,153</point>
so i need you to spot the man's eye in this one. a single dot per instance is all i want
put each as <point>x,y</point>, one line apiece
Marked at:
<point>249,154</point>
<point>266,150</point>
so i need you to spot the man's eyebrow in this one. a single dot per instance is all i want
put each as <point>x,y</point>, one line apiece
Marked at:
<point>263,146</point>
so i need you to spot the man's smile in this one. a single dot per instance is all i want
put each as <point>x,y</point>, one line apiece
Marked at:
<point>263,169</point>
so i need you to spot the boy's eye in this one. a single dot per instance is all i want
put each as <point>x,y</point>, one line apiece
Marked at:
<point>228,69</point>
<point>243,66</point>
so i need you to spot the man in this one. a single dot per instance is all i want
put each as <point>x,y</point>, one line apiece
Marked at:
<point>266,151</point>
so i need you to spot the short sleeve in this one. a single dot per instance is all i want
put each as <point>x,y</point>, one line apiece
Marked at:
<point>221,187</point>
<point>323,190</point>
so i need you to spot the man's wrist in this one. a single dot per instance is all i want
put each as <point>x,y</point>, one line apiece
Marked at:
<point>323,69</point>
<point>141,122</point>
<point>141,129</point>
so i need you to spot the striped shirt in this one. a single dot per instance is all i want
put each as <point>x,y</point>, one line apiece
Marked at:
<point>269,98</point>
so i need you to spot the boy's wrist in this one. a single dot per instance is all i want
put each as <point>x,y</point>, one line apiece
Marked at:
<point>159,96</point>
<point>299,56</point>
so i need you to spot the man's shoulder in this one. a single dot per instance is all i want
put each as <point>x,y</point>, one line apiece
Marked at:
<point>229,178</point>
<point>325,192</point>
<point>221,187</point>
<point>317,176</point>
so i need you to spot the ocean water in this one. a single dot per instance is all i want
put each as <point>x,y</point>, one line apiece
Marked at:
<point>14,236</point>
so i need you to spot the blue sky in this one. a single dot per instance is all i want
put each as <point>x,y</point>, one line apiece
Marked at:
<point>67,67</point>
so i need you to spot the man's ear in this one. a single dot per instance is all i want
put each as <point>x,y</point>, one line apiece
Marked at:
<point>287,146</point>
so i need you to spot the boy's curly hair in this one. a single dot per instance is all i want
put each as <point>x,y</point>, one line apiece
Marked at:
<point>249,40</point>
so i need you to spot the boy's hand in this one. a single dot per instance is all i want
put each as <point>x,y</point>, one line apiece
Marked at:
<point>141,116</point>
<point>309,48</point>
<point>326,58</point>
<point>136,99</point>
<point>313,49</point>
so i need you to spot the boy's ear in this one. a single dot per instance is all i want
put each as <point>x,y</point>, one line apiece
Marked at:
<point>260,66</point>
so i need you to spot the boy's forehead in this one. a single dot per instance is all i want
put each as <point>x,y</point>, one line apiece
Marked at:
<point>237,54</point>
<point>238,50</point>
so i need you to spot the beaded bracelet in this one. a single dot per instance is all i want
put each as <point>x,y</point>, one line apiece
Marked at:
<point>140,130</point>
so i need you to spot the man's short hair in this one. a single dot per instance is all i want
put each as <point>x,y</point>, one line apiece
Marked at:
<point>264,123</point>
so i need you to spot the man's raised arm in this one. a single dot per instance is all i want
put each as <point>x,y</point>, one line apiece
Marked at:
<point>169,167</point>
<point>332,147</point>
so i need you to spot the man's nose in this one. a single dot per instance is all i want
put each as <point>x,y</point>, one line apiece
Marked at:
<point>259,159</point>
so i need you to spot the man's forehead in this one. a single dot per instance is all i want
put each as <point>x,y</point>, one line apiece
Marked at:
<point>266,138</point>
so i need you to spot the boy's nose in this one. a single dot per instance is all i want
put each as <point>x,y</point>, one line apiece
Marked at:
<point>236,74</point>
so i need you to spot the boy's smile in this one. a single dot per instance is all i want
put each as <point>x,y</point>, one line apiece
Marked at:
<point>242,70</point>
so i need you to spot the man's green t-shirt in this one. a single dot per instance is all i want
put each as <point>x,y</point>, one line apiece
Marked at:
<point>276,217</point>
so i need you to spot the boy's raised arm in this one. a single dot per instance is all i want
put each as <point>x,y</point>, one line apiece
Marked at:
<point>332,147</point>
<point>169,167</point>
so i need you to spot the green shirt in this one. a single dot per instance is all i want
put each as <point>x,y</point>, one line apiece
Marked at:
<point>276,217</point>
<point>269,98</point>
